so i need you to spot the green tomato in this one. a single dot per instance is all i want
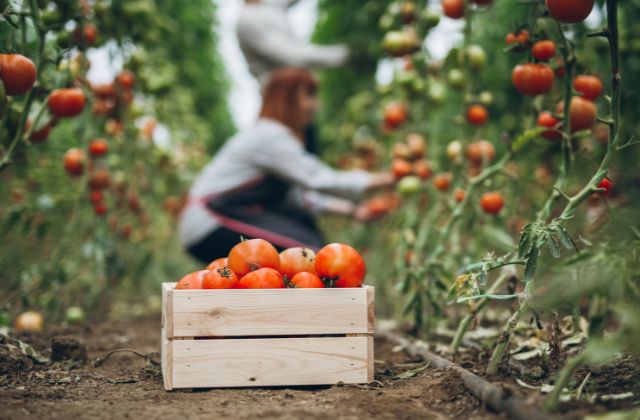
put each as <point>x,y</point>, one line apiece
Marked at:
<point>75,315</point>
<point>456,78</point>
<point>485,98</point>
<point>430,18</point>
<point>408,185</point>
<point>386,22</point>
<point>437,92</point>
<point>394,42</point>
<point>477,57</point>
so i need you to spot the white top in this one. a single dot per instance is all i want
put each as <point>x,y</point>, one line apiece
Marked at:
<point>269,43</point>
<point>267,148</point>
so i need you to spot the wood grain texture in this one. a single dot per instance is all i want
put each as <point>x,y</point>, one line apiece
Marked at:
<point>167,308</point>
<point>166,355</point>
<point>370,359</point>
<point>202,313</point>
<point>371,309</point>
<point>270,362</point>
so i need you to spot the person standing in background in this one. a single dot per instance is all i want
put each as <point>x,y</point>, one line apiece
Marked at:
<point>269,43</point>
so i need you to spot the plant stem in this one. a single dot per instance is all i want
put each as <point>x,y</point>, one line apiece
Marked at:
<point>551,403</point>
<point>466,321</point>
<point>569,61</point>
<point>459,209</point>
<point>505,336</point>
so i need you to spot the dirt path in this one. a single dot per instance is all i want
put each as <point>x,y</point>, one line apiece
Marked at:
<point>125,386</point>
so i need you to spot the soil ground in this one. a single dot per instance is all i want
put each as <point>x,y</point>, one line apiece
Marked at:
<point>128,386</point>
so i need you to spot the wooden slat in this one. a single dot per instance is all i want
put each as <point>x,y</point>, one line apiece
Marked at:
<point>201,313</point>
<point>166,354</point>
<point>167,308</point>
<point>270,362</point>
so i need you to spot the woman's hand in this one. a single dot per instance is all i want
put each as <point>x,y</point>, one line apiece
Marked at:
<point>381,180</point>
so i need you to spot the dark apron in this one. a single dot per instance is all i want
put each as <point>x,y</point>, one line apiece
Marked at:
<point>257,211</point>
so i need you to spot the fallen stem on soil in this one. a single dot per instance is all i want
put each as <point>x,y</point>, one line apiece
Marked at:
<point>148,357</point>
<point>493,395</point>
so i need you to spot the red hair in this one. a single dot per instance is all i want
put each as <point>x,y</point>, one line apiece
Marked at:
<point>281,98</point>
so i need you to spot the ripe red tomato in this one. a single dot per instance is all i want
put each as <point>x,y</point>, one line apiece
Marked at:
<point>304,280</point>
<point>395,114</point>
<point>220,278</point>
<point>217,263</point>
<point>251,255</point>
<point>74,161</point>
<point>417,145</point>
<point>65,103</point>
<point>453,9</point>
<point>477,114</point>
<point>491,202</point>
<point>98,147</point>
<point>96,197</point>
<point>607,186</point>
<point>263,278</point>
<point>481,151</point>
<point>100,208</point>
<point>340,265</point>
<point>443,181</point>
<point>400,168</point>
<point>18,73</point>
<point>582,113</point>
<point>99,179</point>
<point>589,86</point>
<point>532,79</point>
<point>511,38</point>
<point>422,168</point>
<point>85,34</point>
<point>104,91</point>
<point>523,37</point>
<point>543,50</point>
<point>126,79</point>
<point>296,260</point>
<point>546,119</point>
<point>570,11</point>
<point>192,280</point>
<point>459,194</point>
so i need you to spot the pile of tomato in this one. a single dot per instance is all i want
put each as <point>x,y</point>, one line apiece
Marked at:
<point>256,264</point>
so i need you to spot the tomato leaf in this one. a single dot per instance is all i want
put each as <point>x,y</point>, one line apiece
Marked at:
<point>531,265</point>
<point>553,246</point>
<point>526,241</point>
<point>565,238</point>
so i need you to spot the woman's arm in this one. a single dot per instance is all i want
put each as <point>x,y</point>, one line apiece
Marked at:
<point>283,156</point>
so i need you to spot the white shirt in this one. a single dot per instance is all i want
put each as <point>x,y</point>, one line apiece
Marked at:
<point>267,148</point>
<point>269,43</point>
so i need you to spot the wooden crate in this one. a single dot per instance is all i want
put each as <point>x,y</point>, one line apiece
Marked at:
<point>266,337</point>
